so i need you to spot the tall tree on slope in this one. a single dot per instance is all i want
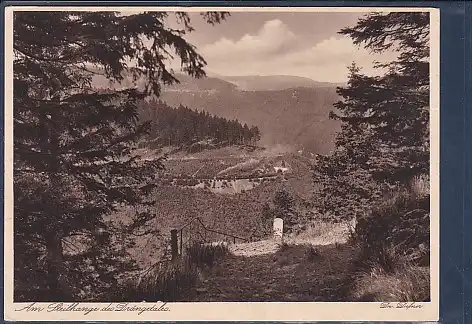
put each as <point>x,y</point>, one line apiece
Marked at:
<point>72,144</point>
<point>384,138</point>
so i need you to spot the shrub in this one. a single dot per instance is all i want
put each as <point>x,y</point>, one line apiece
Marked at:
<point>284,246</point>
<point>284,203</point>
<point>165,282</point>
<point>169,281</point>
<point>399,227</point>
<point>206,254</point>
<point>420,186</point>
<point>407,284</point>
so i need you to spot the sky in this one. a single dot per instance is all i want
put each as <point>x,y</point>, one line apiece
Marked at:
<point>303,44</point>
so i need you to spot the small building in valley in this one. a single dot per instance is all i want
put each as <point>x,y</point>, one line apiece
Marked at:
<point>282,167</point>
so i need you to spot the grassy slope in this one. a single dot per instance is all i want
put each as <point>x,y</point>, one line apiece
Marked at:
<point>238,214</point>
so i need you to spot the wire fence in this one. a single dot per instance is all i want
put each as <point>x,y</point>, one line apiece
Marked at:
<point>195,231</point>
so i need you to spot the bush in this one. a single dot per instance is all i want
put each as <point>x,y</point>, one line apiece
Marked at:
<point>206,254</point>
<point>398,228</point>
<point>170,281</point>
<point>284,246</point>
<point>165,282</point>
<point>408,284</point>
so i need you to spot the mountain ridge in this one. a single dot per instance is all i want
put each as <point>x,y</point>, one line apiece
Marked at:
<point>298,116</point>
<point>274,82</point>
<point>292,115</point>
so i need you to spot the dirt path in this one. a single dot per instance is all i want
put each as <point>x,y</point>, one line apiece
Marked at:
<point>264,271</point>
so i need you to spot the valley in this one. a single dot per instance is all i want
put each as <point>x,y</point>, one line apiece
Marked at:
<point>297,116</point>
<point>232,185</point>
<point>288,110</point>
<point>231,145</point>
<point>228,189</point>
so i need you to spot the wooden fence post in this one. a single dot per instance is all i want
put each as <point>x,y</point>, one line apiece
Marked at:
<point>173,244</point>
<point>181,243</point>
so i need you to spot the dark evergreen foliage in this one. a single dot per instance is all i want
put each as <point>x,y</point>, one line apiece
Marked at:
<point>384,139</point>
<point>72,161</point>
<point>285,208</point>
<point>184,126</point>
<point>399,227</point>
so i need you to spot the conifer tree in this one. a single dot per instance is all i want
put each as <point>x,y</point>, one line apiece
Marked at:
<point>72,144</point>
<point>184,126</point>
<point>285,208</point>
<point>384,140</point>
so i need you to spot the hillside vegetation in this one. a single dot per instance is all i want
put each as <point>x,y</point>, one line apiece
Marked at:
<point>292,115</point>
<point>242,213</point>
<point>195,129</point>
<point>299,116</point>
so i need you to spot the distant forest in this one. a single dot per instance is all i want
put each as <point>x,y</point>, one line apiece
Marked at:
<point>182,126</point>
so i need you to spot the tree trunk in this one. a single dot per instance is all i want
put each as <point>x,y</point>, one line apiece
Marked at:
<point>59,290</point>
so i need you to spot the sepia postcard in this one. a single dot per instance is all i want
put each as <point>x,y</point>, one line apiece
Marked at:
<point>221,164</point>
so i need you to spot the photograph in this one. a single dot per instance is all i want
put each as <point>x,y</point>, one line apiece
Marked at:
<point>221,156</point>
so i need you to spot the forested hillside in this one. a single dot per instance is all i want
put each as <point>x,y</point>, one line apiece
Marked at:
<point>182,125</point>
<point>297,116</point>
<point>292,115</point>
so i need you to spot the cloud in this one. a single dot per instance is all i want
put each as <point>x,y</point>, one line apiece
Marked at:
<point>274,38</point>
<point>275,49</point>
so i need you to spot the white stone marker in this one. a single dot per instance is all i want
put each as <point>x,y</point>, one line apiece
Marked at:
<point>278,228</point>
